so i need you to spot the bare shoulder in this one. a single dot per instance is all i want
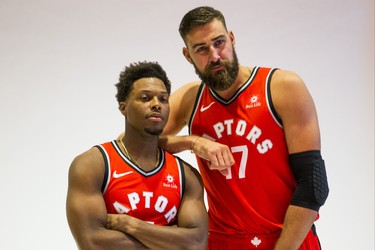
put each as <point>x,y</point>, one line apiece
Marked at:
<point>288,88</point>
<point>188,87</point>
<point>286,79</point>
<point>295,106</point>
<point>186,93</point>
<point>181,105</point>
<point>87,167</point>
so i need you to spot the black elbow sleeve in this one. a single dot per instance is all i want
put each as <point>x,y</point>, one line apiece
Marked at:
<point>312,186</point>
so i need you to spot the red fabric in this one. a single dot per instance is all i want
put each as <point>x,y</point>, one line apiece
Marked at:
<point>152,196</point>
<point>254,199</point>
<point>263,242</point>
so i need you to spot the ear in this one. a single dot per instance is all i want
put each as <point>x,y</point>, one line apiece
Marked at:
<point>232,38</point>
<point>122,108</point>
<point>186,54</point>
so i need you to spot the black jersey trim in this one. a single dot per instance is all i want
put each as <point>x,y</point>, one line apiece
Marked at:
<point>135,167</point>
<point>195,108</point>
<point>238,92</point>
<point>106,167</point>
<point>269,98</point>
<point>180,165</point>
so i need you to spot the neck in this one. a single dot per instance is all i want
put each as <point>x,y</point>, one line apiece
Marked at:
<point>144,152</point>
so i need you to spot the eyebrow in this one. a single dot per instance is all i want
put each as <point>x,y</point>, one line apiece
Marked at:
<point>213,39</point>
<point>150,91</point>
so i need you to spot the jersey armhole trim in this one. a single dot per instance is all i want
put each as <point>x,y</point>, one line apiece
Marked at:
<point>271,107</point>
<point>195,108</point>
<point>106,168</point>
<point>180,165</point>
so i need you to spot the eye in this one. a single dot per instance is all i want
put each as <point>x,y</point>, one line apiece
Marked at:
<point>201,49</point>
<point>144,98</point>
<point>219,42</point>
<point>164,99</point>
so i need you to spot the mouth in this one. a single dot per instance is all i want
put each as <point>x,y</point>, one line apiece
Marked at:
<point>217,68</point>
<point>155,117</point>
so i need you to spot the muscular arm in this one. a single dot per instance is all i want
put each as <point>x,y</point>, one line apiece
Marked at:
<point>181,107</point>
<point>181,104</point>
<point>85,207</point>
<point>192,221</point>
<point>297,111</point>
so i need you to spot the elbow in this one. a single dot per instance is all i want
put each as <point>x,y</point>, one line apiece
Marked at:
<point>88,243</point>
<point>198,243</point>
<point>312,185</point>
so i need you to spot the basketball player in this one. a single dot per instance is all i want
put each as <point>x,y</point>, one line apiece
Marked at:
<point>259,128</point>
<point>129,193</point>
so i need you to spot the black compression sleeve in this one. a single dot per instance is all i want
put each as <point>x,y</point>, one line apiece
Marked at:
<point>312,186</point>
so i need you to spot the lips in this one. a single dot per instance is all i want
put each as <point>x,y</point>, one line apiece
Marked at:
<point>155,116</point>
<point>217,68</point>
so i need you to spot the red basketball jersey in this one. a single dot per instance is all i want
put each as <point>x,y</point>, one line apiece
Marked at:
<point>254,197</point>
<point>152,196</point>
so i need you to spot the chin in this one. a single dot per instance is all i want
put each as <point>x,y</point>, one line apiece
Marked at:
<point>155,132</point>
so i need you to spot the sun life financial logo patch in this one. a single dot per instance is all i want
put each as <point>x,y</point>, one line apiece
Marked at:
<point>253,102</point>
<point>169,182</point>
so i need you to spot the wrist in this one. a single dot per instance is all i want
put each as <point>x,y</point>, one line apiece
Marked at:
<point>193,144</point>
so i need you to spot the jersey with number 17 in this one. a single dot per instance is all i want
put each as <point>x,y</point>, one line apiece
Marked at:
<point>254,197</point>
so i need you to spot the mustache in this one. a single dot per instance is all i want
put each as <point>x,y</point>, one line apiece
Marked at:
<point>214,64</point>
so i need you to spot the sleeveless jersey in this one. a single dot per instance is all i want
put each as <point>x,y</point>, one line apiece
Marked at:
<point>254,197</point>
<point>152,196</point>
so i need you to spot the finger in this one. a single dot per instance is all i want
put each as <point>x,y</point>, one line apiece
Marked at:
<point>225,158</point>
<point>221,159</point>
<point>224,172</point>
<point>213,162</point>
<point>228,158</point>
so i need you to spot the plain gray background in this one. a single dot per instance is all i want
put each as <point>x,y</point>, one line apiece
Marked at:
<point>59,61</point>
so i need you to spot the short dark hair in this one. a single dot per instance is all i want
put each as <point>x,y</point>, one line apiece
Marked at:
<point>198,17</point>
<point>136,71</point>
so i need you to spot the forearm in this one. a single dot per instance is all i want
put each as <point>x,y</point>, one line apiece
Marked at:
<point>298,221</point>
<point>177,144</point>
<point>160,237</point>
<point>104,239</point>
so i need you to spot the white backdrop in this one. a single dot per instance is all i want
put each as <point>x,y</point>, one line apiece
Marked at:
<point>59,61</point>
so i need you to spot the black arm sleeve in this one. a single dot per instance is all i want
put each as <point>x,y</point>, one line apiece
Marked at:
<point>312,186</point>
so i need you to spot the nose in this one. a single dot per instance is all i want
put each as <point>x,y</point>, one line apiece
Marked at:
<point>214,54</point>
<point>155,103</point>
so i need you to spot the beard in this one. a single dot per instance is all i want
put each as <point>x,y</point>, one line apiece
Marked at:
<point>153,131</point>
<point>222,79</point>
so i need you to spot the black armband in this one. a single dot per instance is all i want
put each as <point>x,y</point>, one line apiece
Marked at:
<point>312,186</point>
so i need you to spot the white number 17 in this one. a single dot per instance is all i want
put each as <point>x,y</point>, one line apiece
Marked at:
<point>242,170</point>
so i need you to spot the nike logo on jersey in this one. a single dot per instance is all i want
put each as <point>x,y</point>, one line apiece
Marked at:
<point>116,175</point>
<point>207,107</point>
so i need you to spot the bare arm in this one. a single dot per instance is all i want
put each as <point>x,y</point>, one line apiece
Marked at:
<point>85,207</point>
<point>296,108</point>
<point>192,221</point>
<point>182,102</point>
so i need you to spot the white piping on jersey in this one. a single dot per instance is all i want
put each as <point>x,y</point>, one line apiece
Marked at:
<point>218,98</point>
<point>182,183</point>
<point>268,101</point>
<point>109,168</point>
<point>238,92</point>
<point>244,86</point>
<point>138,169</point>
<point>197,102</point>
